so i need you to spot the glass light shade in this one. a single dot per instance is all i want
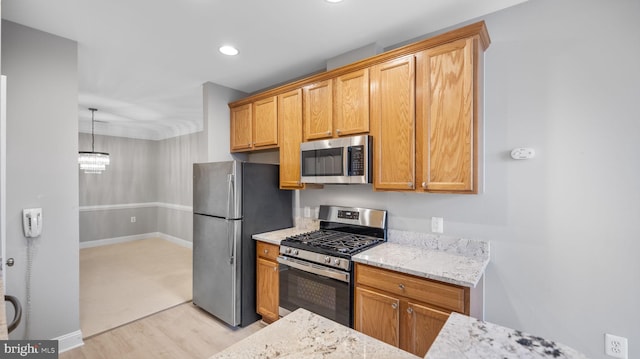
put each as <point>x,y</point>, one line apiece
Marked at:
<point>93,162</point>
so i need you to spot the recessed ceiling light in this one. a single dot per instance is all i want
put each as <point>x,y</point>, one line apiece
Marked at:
<point>228,50</point>
<point>333,1</point>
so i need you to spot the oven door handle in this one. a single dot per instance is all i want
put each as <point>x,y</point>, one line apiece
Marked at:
<point>314,269</point>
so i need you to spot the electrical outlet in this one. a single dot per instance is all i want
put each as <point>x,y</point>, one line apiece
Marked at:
<point>437,225</point>
<point>133,219</point>
<point>615,346</point>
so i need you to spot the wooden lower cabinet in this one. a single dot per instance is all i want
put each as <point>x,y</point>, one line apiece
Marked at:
<point>267,281</point>
<point>399,309</point>
<point>377,315</point>
<point>421,325</point>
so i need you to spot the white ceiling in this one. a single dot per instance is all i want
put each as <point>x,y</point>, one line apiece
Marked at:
<point>142,63</point>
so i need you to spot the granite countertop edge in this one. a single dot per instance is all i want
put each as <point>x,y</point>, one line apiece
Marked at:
<point>465,337</point>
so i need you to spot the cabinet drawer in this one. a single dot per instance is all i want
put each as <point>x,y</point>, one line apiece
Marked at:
<point>267,250</point>
<point>436,293</point>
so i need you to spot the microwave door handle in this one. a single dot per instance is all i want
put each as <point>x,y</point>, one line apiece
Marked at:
<point>346,158</point>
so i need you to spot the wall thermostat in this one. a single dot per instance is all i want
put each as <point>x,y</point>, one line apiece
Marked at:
<point>522,153</point>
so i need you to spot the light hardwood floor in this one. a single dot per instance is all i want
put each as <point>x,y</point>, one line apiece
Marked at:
<point>184,331</point>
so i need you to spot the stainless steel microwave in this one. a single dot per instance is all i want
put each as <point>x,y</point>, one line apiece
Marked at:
<point>345,160</point>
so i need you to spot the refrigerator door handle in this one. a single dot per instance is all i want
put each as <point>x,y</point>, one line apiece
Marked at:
<point>230,195</point>
<point>230,239</point>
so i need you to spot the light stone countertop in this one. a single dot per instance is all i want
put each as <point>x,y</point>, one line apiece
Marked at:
<point>303,225</point>
<point>451,260</point>
<point>303,334</point>
<point>464,337</point>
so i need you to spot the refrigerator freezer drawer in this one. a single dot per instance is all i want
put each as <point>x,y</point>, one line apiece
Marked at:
<point>216,267</point>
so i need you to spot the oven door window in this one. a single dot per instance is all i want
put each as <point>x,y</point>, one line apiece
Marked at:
<point>318,294</point>
<point>325,162</point>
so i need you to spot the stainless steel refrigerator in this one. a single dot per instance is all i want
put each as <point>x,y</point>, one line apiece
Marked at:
<point>232,201</point>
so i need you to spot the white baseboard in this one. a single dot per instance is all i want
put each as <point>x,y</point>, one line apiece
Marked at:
<point>176,240</point>
<point>69,341</point>
<point>107,241</point>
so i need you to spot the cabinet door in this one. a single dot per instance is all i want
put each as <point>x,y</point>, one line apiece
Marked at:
<point>241,128</point>
<point>447,150</point>
<point>376,315</point>
<point>290,119</point>
<point>267,295</point>
<point>352,103</point>
<point>265,122</point>
<point>421,326</point>
<point>318,110</point>
<point>393,124</point>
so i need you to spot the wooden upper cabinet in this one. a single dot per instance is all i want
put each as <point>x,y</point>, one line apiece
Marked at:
<point>290,119</point>
<point>254,125</point>
<point>265,122</point>
<point>352,103</point>
<point>318,110</point>
<point>393,124</point>
<point>448,116</point>
<point>241,133</point>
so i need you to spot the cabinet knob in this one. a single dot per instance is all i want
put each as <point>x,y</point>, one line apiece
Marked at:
<point>394,305</point>
<point>248,145</point>
<point>328,133</point>
<point>401,286</point>
<point>424,184</point>
<point>410,310</point>
<point>338,131</point>
<point>275,269</point>
<point>266,251</point>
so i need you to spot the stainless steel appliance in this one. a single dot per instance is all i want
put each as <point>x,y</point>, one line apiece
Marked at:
<point>345,160</point>
<point>316,270</point>
<point>231,202</point>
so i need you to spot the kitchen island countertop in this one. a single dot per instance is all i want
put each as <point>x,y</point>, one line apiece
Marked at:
<point>303,334</point>
<point>465,337</point>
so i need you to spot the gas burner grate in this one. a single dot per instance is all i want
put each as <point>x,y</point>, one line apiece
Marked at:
<point>340,242</point>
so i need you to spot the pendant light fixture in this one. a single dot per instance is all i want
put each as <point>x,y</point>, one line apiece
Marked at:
<point>90,161</point>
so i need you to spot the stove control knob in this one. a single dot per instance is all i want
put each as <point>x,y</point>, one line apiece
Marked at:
<point>336,262</point>
<point>327,259</point>
<point>295,252</point>
<point>288,250</point>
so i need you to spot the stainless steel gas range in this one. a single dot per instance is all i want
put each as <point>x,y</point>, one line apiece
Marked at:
<point>316,271</point>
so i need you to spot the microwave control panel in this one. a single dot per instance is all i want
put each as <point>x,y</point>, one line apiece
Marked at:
<point>356,160</point>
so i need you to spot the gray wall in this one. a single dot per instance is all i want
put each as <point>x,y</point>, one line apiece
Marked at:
<point>216,121</point>
<point>144,171</point>
<point>130,178</point>
<point>561,77</point>
<point>141,172</point>
<point>42,145</point>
